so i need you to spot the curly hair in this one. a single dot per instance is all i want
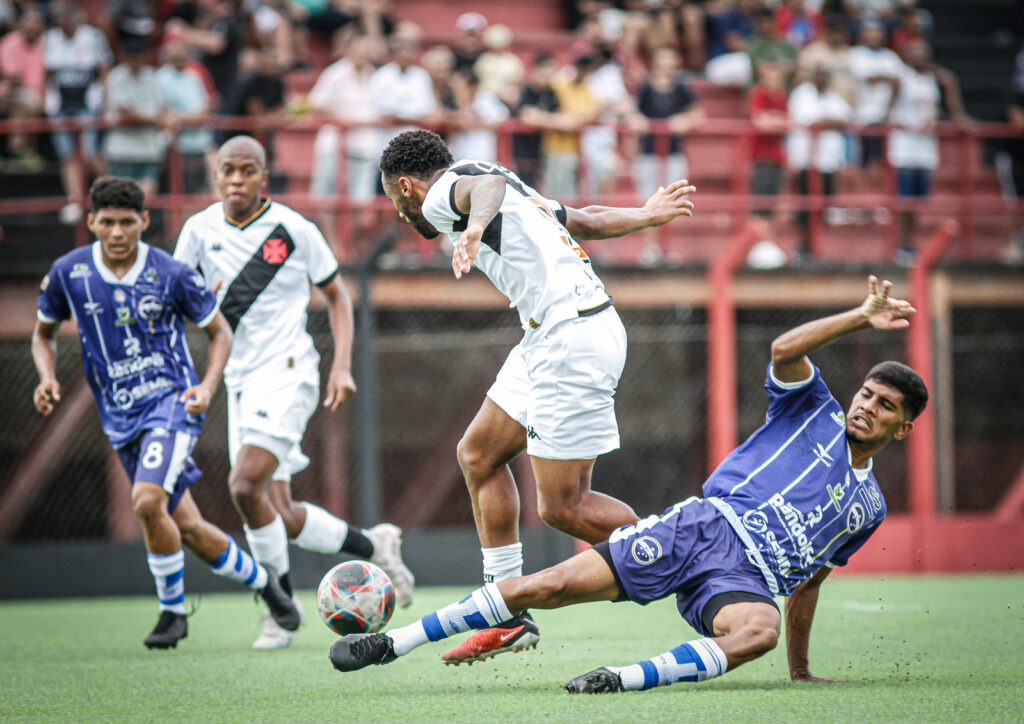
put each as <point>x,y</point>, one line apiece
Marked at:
<point>415,153</point>
<point>111,192</point>
<point>907,381</point>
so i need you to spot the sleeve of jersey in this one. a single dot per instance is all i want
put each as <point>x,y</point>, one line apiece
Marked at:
<point>186,250</point>
<point>52,302</point>
<point>439,204</point>
<point>321,264</point>
<point>842,556</point>
<point>786,399</point>
<point>194,298</point>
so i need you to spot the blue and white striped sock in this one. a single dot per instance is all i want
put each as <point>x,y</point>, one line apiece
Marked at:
<point>237,565</point>
<point>169,573</point>
<point>694,661</point>
<point>481,609</point>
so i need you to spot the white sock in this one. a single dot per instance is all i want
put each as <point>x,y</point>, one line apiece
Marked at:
<point>322,532</point>
<point>483,608</point>
<point>169,573</point>
<point>269,545</point>
<point>238,566</point>
<point>502,562</point>
<point>693,661</point>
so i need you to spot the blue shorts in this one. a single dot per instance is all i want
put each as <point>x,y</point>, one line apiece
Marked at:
<point>164,458</point>
<point>691,551</point>
<point>64,141</point>
<point>914,182</point>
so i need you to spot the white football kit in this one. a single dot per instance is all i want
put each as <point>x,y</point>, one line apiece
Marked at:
<point>559,381</point>
<point>266,265</point>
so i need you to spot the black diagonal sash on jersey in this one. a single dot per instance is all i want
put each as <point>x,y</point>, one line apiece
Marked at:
<point>257,274</point>
<point>492,234</point>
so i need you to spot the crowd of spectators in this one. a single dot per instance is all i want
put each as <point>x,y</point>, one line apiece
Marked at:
<point>609,111</point>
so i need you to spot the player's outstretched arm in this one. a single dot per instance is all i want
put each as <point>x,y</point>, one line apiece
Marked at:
<point>480,197</point>
<point>340,385</point>
<point>44,355</point>
<point>790,350</point>
<point>197,398</point>
<point>799,615</point>
<point>606,222</point>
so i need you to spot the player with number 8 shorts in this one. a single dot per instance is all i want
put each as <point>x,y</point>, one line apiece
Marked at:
<point>130,301</point>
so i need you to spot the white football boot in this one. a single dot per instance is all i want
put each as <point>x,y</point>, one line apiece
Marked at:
<point>387,553</point>
<point>273,636</point>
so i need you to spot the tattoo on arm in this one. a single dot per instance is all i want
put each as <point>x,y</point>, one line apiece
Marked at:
<point>485,199</point>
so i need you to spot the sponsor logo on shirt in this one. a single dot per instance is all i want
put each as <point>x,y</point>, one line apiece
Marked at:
<point>124,317</point>
<point>793,519</point>
<point>150,307</point>
<point>125,398</point>
<point>646,550</point>
<point>119,296</point>
<point>839,418</point>
<point>756,521</point>
<point>876,500</point>
<point>855,518</point>
<point>79,271</point>
<point>151,276</point>
<point>92,308</point>
<point>126,367</point>
<point>822,454</point>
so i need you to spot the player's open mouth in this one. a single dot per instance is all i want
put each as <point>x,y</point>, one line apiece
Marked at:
<point>860,421</point>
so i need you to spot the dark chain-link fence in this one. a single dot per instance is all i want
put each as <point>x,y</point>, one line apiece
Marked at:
<point>434,367</point>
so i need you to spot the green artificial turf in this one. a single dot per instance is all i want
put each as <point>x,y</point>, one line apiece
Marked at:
<point>917,649</point>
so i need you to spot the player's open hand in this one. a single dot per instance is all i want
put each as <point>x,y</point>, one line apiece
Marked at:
<point>340,387</point>
<point>196,399</point>
<point>466,249</point>
<point>46,395</point>
<point>883,312</point>
<point>669,202</point>
<point>806,677</point>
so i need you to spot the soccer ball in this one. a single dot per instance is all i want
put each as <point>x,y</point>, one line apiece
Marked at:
<point>355,597</point>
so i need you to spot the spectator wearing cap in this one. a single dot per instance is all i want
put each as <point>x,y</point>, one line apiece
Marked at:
<point>469,42</point>
<point>499,70</point>
<point>816,105</point>
<point>135,101</point>
<point>76,57</point>
<point>876,71</point>
<point>21,63</point>
<point>665,97</point>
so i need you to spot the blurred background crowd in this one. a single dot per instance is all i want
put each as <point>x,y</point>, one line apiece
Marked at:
<point>844,94</point>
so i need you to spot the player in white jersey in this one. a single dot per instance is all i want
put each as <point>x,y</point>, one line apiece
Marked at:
<point>263,256</point>
<point>554,395</point>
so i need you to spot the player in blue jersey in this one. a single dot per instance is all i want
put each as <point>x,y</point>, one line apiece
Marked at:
<point>795,499</point>
<point>130,301</point>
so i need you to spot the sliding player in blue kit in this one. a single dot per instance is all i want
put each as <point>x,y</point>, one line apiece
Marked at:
<point>130,301</point>
<point>795,499</point>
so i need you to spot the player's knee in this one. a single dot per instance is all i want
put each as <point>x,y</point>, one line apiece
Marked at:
<point>474,460</point>
<point>244,489</point>
<point>762,635</point>
<point>148,501</point>
<point>558,513</point>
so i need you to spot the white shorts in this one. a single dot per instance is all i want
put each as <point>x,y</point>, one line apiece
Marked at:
<point>271,412</point>
<point>561,388</point>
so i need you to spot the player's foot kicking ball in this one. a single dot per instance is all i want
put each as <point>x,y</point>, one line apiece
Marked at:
<point>598,681</point>
<point>284,617</point>
<point>170,629</point>
<point>517,634</point>
<point>357,651</point>
<point>387,553</point>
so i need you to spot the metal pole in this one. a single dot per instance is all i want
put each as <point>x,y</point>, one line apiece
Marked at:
<point>368,510</point>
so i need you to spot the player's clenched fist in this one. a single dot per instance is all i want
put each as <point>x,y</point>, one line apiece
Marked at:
<point>45,395</point>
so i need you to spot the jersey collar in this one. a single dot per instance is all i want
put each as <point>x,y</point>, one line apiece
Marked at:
<point>860,473</point>
<point>133,274</point>
<point>262,209</point>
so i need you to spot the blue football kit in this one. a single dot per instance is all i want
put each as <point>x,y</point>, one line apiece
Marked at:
<point>779,507</point>
<point>135,354</point>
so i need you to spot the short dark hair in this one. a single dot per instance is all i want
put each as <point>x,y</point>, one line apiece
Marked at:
<point>907,381</point>
<point>415,153</point>
<point>111,192</point>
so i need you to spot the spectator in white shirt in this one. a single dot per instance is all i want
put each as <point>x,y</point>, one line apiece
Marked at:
<point>402,90</point>
<point>876,71</point>
<point>344,92</point>
<point>816,106</point>
<point>485,110</point>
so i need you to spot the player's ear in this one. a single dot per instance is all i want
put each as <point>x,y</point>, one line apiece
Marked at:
<point>145,219</point>
<point>405,185</point>
<point>903,430</point>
